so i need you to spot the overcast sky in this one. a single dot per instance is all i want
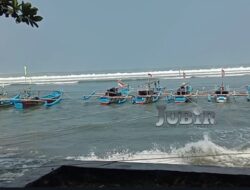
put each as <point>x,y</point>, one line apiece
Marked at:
<point>84,35</point>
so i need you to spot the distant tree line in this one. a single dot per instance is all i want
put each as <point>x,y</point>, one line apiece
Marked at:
<point>22,12</point>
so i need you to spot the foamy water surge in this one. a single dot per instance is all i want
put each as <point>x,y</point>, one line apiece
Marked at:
<point>203,152</point>
<point>171,74</point>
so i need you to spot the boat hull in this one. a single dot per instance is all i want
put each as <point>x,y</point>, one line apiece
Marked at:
<point>47,101</point>
<point>142,100</point>
<point>182,99</point>
<point>104,100</point>
<point>6,103</point>
<point>23,104</point>
<point>221,99</point>
<point>145,99</point>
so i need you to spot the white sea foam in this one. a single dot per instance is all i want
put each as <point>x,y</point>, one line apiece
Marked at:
<point>170,74</point>
<point>203,152</point>
<point>58,83</point>
<point>13,167</point>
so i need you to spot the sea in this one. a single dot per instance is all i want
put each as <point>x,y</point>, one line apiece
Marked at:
<point>85,130</point>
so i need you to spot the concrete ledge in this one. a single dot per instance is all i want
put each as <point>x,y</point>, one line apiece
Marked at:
<point>139,175</point>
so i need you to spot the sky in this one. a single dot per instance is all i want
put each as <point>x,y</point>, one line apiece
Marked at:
<point>119,35</point>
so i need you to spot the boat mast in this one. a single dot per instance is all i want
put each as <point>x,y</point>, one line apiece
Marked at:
<point>222,78</point>
<point>184,79</point>
<point>28,88</point>
<point>149,76</point>
<point>25,74</point>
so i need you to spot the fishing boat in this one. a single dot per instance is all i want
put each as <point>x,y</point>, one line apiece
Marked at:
<point>182,95</point>
<point>114,95</point>
<point>220,95</point>
<point>27,100</point>
<point>148,94</point>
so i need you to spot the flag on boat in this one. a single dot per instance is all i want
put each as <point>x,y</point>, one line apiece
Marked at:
<point>150,75</point>
<point>222,73</point>
<point>121,84</point>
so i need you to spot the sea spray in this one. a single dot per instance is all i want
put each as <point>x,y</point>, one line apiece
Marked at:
<point>202,152</point>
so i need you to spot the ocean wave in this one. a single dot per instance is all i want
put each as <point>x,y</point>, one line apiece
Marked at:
<point>203,152</point>
<point>170,74</point>
<point>13,168</point>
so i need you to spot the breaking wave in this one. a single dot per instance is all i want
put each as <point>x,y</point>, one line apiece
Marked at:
<point>170,74</point>
<point>203,152</point>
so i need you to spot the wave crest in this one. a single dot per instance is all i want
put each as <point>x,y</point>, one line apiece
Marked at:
<point>203,152</point>
<point>170,74</point>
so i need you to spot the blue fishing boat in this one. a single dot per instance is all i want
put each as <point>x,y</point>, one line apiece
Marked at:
<point>148,94</point>
<point>27,101</point>
<point>221,95</point>
<point>114,95</point>
<point>182,95</point>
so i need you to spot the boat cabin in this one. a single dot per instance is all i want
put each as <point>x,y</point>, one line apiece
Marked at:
<point>221,91</point>
<point>184,90</point>
<point>113,92</point>
<point>145,92</point>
